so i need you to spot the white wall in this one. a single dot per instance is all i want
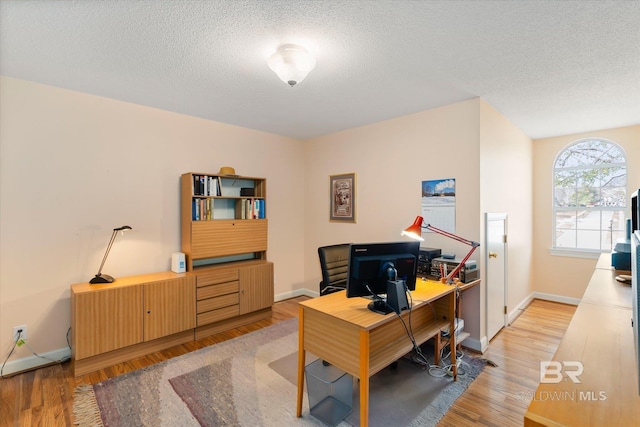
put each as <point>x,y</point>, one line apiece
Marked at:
<point>507,187</point>
<point>560,275</point>
<point>74,166</point>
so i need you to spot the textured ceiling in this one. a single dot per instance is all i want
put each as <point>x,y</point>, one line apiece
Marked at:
<point>550,67</point>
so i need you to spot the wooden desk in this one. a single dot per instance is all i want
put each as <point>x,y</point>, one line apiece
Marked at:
<point>345,333</point>
<point>601,338</point>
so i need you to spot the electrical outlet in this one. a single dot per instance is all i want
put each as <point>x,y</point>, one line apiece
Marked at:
<point>23,334</point>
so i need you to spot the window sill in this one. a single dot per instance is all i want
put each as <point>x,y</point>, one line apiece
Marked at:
<point>575,253</point>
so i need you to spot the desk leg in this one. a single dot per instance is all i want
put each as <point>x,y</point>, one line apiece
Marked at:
<point>301,359</point>
<point>452,334</point>
<point>364,378</point>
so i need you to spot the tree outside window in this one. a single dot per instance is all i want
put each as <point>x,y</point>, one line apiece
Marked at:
<point>589,195</point>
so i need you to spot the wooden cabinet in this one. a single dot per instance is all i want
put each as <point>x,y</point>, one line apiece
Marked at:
<point>105,320</point>
<point>217,294</point>
<point>224,237</point>
<point>133,316</point>
<point>232,294</point>
<point>168,307</point>
<point>256,287</point>
<point>229,281</point>
<point>222,216</point>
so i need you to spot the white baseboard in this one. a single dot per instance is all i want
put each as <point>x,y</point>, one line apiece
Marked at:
<point>476,345</point>
<point>513,315</point>
<point>33,362</point>
<point>296,293</point>
<point>556,298</point>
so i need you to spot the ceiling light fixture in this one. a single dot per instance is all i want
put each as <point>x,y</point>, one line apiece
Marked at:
<point>291,63</point>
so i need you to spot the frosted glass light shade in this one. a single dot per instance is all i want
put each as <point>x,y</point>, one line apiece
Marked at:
<point>292,63</point>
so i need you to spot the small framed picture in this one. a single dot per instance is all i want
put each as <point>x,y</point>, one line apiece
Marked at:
<point>342,191</point>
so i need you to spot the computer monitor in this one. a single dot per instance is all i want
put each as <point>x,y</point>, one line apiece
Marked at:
<point>372,265</point>
<point>635,302</point>
<point>635,209</point>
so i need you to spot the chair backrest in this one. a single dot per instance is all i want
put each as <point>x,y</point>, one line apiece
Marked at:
<point>334,262</point>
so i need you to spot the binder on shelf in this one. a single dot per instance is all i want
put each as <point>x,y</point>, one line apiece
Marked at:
<point>254,211</point>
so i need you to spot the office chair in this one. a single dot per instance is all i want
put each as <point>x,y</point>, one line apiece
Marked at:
<point>334,262</point>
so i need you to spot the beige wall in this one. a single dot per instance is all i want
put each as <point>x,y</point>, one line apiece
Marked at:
<point>391,159</point>
<point>75,166</point>
<point>560,275</point>
<point>506,187</point>
<point>469,141</point>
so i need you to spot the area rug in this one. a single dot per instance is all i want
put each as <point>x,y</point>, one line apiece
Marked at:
<point>251,381</point>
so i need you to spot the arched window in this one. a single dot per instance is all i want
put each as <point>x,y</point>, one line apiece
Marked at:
<point>589,196</point>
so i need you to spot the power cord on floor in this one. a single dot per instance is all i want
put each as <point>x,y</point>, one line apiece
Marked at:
<point>15,344</point>
<point>418,356</point>
<point>19,341</point>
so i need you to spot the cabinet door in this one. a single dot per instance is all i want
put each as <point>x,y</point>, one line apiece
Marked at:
<point>169,307</point>
<point>256,287</point>
<point>107,320</point>
<point>218,238</point>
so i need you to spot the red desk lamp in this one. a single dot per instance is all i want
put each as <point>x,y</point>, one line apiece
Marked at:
<point>415,232</point>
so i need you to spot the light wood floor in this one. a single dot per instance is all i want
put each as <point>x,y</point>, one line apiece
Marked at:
<point>44,397</point>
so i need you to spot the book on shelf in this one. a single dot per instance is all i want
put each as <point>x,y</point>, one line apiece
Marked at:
<point>202,209</point>
<point>205,185</point>
<point>249,203</point>
<point>213,186</point>
<point>256,209</point>
<point>250,208</point>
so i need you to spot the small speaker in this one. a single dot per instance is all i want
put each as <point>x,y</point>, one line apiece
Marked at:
<point>397,296</point>
<point>178,264</point>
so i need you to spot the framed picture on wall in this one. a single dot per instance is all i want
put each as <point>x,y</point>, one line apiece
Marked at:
<point>342,192</point>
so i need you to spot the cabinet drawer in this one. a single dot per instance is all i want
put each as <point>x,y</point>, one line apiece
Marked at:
<point>217,315</point>
<point>215,303</point>
<point>217,275</point>
<point>213,291</point>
